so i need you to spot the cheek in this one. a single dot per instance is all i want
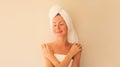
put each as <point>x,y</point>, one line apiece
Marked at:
<point>65,28</point>
<point>53,29</point>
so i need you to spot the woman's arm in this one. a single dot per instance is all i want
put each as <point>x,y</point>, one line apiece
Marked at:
<point>76,59</point>
<point>55,63</point>
<point>48,56</point>
<point>47,51</point>
<point>48,63</point>
<point>63,63</point>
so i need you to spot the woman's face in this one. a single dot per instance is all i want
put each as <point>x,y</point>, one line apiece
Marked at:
<point>59,26</point>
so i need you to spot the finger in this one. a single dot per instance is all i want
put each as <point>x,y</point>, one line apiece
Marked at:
<point>80,48</point>
<point>47,47</point>
<point>78,45</point>
<point>42,46</point>
<point>74,43</point>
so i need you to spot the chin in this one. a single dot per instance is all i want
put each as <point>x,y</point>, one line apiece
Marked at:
<point>59,35</point>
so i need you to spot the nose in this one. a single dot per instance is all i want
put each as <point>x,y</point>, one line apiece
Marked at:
<point>57,27</point>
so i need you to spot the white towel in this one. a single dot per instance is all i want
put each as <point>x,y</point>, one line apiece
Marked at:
<point>72,36</point>
<point>61,57</point>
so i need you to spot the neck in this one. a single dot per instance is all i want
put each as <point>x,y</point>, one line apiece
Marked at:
<point>62,41</point>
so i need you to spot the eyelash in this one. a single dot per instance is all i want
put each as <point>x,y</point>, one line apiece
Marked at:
<point>60,24</point>
<point>54,25</point>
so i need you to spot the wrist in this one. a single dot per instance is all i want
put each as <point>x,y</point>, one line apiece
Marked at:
<point>70,55</point>
<point>54,60</point>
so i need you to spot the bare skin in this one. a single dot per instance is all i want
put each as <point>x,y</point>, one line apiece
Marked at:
<point>74,53</point>
<point>61,46</point>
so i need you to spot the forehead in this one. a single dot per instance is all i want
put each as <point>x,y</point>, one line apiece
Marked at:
<point>58,18</point>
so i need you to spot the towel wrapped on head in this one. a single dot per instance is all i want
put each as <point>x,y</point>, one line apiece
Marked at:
<point>72,36</point>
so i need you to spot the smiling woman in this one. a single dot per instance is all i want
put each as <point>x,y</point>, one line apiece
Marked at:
<point>24,26</point>
<point>65,50</point>
<point>59,26</point>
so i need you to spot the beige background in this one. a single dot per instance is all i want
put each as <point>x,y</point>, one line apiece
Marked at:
<point>24,26</point>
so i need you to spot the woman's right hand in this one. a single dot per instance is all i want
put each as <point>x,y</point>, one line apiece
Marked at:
<point>47,51</point>
<point>75,49</point>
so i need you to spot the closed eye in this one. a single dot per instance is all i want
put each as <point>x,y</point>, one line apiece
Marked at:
<point>61,24</point>
<point>54,25</point>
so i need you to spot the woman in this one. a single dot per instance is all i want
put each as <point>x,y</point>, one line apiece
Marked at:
<point>65,50</point>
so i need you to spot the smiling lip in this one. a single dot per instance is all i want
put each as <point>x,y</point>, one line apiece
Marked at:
<point>59,32</point>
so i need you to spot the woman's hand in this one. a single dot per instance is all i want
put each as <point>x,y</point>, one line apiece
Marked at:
<point>77,56</point>
<point>75,49</point>
<point>47,51</point>
<point>49,54</point>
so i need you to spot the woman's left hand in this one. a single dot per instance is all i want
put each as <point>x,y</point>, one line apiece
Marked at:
<point>77,56</point>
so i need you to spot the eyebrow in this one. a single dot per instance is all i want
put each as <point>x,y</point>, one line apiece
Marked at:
<point>53,22</point>
<point>59,22</point>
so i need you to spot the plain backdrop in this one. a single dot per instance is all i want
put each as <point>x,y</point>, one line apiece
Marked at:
<point>24,26</point>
